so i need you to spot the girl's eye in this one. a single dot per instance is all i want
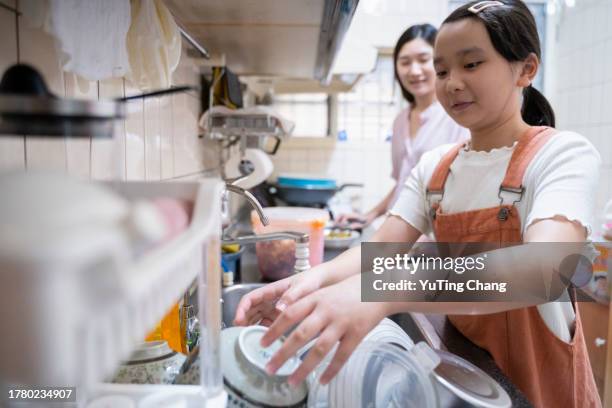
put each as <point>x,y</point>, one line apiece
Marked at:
<point>472,65</point>
<point>441,74</point>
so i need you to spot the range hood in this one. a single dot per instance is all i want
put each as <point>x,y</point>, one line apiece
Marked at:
<point>277,38</point>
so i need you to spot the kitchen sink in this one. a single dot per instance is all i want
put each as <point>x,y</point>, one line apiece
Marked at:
<point>231,297</point>
<point>416,325</point>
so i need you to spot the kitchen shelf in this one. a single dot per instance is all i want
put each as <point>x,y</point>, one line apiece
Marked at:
<point>220,122</point>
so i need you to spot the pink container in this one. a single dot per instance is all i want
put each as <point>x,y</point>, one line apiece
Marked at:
<point>276,259</point>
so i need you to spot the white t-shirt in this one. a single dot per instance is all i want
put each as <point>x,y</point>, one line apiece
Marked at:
<point>560,181</point>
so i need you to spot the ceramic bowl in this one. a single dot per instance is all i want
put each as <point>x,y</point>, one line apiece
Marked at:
<point>340,242</point>
<point>153,362</point>
<point>243,363</point>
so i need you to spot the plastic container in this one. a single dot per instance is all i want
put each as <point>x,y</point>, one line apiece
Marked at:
<point>378,375</point>
<point>232,262</point>
<point>276,259</point>
<point>388,370</point>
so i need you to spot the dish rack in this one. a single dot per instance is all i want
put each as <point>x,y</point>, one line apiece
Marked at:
<point>79,319</point>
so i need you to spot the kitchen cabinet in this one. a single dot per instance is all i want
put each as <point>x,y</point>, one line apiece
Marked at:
<point>595,326</point>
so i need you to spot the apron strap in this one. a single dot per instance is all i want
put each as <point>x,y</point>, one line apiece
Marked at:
<point>435,187</point>
<point>440,174</point>
<point>527,147</point>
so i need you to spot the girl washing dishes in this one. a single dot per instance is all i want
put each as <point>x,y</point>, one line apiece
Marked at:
<point>517,165</point>
<point>422,125</point>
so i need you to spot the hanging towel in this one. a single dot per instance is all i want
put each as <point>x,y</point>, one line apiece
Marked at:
<point>154,45</point>
<point>90,35</point>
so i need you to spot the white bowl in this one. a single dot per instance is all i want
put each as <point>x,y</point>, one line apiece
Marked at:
<point>340,242</point>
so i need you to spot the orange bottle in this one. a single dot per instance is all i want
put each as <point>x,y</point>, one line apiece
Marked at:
<point>169,329</point>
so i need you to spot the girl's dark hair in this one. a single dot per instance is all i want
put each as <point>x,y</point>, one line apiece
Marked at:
<point>514,35</point>
<point>425,31</point>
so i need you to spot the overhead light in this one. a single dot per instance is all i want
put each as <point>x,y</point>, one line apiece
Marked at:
<point>570,3</point>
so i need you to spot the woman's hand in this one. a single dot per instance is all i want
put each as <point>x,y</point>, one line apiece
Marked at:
<point>355,220</point>
<point>334,313</point>
<point>263,305</point>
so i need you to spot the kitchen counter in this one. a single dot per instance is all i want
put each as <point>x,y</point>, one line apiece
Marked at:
<point>435,329</point>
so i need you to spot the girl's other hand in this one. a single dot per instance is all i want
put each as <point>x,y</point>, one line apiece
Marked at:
<point>335,314</point>
<point>264,304</point>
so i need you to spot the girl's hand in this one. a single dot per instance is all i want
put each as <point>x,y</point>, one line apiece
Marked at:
<point>265,304</point>
<point>334,313</point>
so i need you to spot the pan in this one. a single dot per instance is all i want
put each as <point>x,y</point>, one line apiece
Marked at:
<point>307,191</point>
<point>27,107</point>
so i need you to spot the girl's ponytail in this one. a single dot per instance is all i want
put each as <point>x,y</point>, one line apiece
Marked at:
<point>536,110</point>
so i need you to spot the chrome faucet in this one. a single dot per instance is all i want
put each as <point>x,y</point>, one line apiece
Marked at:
<point>250,198</point>
<point>302,252</point>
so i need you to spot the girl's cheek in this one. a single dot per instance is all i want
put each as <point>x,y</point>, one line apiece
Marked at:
<point>439,86</point>
<point>441,96</point>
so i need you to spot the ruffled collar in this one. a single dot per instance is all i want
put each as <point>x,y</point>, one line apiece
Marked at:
<point>493,153</point>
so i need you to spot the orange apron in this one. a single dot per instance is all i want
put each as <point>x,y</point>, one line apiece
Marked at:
<point>549,371</point>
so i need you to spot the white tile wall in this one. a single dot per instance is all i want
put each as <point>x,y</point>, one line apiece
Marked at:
<point>367,162</point>
<point>108,158</point>
<point>152,139</point>
<point>158,139</point>
<point>166,131</point>
<point>78,150</point>
<point>584,82</point>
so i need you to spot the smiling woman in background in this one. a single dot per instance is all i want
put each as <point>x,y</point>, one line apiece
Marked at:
<point>421,126</point>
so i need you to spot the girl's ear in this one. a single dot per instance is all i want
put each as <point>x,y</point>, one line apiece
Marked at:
<point>529,70</point>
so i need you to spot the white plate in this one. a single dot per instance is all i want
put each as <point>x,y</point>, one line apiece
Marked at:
<point>340,243</point>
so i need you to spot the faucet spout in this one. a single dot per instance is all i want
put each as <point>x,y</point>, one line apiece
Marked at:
<point>251,199</point>
<point>299,237</point>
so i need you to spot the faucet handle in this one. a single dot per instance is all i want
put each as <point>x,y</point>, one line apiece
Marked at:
<point>302,255</point>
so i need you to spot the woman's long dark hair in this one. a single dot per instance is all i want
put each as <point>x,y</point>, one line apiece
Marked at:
<point>425,31</point>
<point>514,35</point>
